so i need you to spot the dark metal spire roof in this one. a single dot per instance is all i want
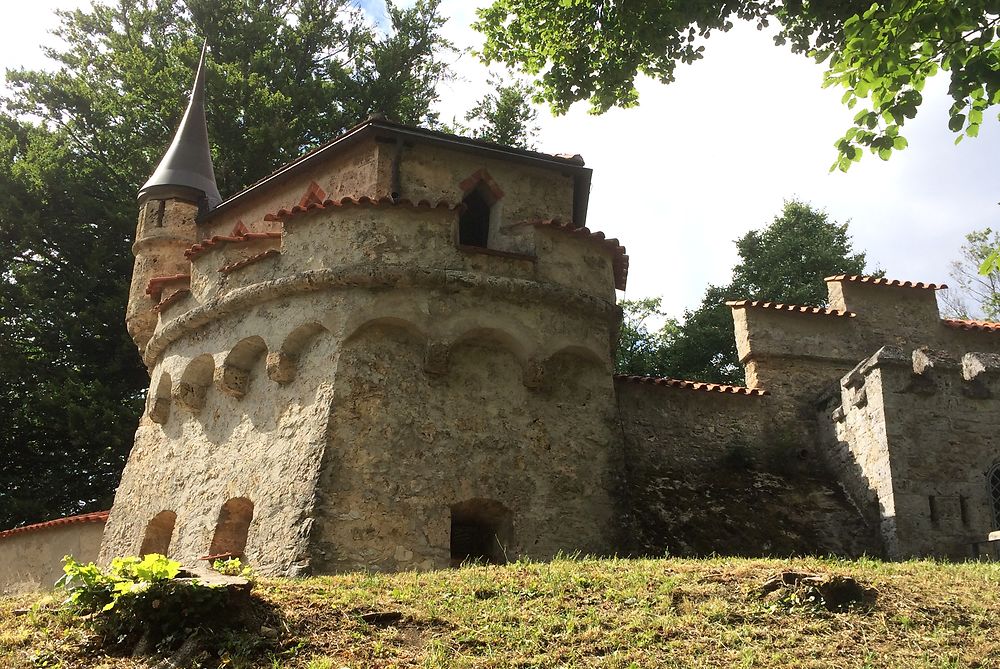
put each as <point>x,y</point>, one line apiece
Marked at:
<point>187,165</point>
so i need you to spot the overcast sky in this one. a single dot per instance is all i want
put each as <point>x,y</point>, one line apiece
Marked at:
<point>714,154</point>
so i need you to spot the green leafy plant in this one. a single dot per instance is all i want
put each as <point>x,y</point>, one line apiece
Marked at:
<point>233,567</point>
<point>136,598</point>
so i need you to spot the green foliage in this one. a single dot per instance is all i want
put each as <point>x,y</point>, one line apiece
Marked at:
<point>91,588</point>
<point>982,288</point>
<point>784,262</point>
<point>881,52</point>
<point>233,567</point>
<point>135,596</point>
<point>504,115</point>
<point>77,142</point>
<point>645,334</point>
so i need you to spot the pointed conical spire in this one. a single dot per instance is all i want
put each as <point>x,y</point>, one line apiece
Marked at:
<point>187,164</point>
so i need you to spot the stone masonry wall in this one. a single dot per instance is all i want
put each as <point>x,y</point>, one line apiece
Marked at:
<point>712,472</point>
<point>918,434</point>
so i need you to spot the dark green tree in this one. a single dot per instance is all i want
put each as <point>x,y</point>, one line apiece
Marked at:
<point>76,143</point>
<point>784,262</point>
<point>973,292</point>
<point>505,116</point>
<point>645,334</point>
<point>880,52</point>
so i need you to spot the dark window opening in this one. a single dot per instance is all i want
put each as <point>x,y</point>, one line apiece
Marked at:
<point>480,532</point>
<point>994,482</point>
<point>474,222</point>
<point>932,504</point>
<point>231,531</point>
<point>158,533</point>
<point>963,509</point>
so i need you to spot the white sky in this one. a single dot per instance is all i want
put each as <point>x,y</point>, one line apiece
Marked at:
<point>707,158</point>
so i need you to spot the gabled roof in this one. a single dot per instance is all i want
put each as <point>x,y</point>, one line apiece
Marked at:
<point>383,129</point>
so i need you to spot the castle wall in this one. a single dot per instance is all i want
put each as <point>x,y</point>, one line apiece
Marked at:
<point>917,435</point>
<point>407,446</point>
<point>32,561</point>
<point>712,472</point>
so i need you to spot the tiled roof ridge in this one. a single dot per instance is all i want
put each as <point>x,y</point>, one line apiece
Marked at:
<point>967,324</point>
<point>693,385</point>
<point>284,214</point>
<point>155,286</point>
<point>240,264</point>
<point>204,245</point>
<point>612,244</point>
<point>882,281</point>
<point>796,308</point>
<point>95,517</point>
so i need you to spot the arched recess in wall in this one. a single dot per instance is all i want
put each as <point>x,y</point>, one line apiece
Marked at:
<point>159,530</point>
<point>481,531</point>
<point>993,487</point>
<point>159,401</point>
<point>236,373</point>
<point>282,365</point>
<point>195,380</point>
<point>576,371</point>
<point>490,336</point>
<point>232,528</point>
<point>392,322</point>
<point>478,209</point>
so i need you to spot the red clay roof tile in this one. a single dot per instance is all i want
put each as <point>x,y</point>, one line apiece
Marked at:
<point>693,385</point>
<point>880,281</point>
<point>796,308</point>
<point>613,245</point>
<point>240,264</point>
<point>363,201</point>
<point>156,285</point>
<point>981,326</point>
<point>96,517</point>
<point>206,244</point>
<point>173,298</point>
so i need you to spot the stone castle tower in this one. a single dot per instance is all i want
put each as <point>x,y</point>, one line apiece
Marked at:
<point>395,352</point>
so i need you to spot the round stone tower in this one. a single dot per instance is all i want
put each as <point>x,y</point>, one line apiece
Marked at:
<point>392,353</point>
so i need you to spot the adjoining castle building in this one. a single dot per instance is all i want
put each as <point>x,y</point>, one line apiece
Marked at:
<point>395,352</point>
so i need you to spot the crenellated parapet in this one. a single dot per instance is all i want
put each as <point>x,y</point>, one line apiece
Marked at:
<point>912,435</point>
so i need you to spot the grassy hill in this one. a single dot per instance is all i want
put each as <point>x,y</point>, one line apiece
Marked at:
<point>577,613</point>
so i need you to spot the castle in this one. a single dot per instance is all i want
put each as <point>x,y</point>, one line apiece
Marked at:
<point>395,352</point>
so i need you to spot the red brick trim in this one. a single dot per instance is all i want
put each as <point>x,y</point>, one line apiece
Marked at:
<point>880,281</point>
<point>481,176</point>
<point>206,244</point>
<point>313,195</point>
<point>156,285</point>
<point>239,229</point>
<point>795,308</point>
<point>173,298</point>
<point>96,517</point>
<point>363,201</point>
<point>612,244</point>
<point>240,264</point>
<point>693,385</point>
<point>979,326</point>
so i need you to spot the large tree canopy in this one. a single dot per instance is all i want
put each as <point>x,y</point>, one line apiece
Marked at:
<point>784,262</point>
<point>880,52</point>
<point>77,142</point>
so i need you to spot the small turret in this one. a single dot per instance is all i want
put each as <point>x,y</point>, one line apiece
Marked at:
<point>182,187</point>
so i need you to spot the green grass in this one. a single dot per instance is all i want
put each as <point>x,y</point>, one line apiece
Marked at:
<point>579,613</point>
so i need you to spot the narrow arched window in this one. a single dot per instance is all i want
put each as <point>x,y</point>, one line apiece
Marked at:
<point>231,530</point>
<point>474,222</point>
<point>480,532</point>
<point>159,530</point>
<point>993,482</point>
